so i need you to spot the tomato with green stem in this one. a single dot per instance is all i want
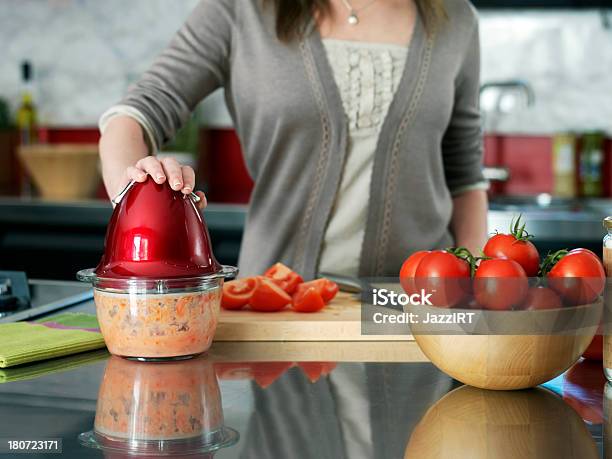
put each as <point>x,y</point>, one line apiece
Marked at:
<point>577,275</point>
<point>515,246</point>
<point>445,274</point>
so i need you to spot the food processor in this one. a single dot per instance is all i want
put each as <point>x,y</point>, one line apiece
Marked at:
<point>158,286</point>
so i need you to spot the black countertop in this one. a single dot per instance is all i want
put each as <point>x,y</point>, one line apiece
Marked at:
<point>359,410</point>
<point>284,405</point>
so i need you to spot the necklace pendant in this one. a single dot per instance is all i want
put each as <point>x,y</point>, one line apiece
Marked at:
<point>353,19</point>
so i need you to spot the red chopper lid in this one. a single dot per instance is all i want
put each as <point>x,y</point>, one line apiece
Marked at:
<point>156,233</point>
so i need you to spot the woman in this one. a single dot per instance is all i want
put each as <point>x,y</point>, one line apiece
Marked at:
<point>358,120</point>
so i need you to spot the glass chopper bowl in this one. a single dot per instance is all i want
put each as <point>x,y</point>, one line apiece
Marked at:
<point>158,286</point>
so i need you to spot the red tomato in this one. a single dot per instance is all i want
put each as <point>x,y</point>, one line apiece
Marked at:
<point>521,251</point>
<point>265,373</point>
<point>579,277</point>
<point>409,269</point>
<point>284,277</point>
<point>307,300</point>
<point>445,276</point>
<point>500,284</point>
<point>268,296</point>
<point>595,349</point>
<point>326,288</point>
<point>237,293</point>
<point>541,298</point>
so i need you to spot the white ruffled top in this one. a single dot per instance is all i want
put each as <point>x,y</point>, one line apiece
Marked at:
<point>367,76</point>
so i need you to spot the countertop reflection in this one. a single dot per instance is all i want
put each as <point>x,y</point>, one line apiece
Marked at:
<point>293,408</point>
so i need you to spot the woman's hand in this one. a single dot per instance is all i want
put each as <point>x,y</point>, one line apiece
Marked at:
<point>179,177</point>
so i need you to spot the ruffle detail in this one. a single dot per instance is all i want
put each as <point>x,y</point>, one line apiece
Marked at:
<point>367,78</point>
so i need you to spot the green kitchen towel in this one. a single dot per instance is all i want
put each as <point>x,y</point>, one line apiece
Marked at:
<point>55,336</point>
<point>36,369</point>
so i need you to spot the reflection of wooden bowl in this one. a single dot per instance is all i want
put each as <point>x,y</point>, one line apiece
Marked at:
<point>474,423</point>
<point>62,171</point>
<point>491,360</point>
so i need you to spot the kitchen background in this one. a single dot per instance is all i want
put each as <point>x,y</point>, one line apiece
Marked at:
<point>546,99</point>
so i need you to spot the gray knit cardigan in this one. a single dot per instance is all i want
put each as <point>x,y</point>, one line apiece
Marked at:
<point>290,120</point>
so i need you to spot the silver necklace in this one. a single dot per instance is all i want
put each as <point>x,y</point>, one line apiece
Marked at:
<point>353,18</point>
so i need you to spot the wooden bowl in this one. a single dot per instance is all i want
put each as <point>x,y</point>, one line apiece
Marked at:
<point>62,171</point>
<point>485,354</point>
<point>474,423</point>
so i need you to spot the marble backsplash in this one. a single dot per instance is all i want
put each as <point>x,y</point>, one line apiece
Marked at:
<point>86,52</point>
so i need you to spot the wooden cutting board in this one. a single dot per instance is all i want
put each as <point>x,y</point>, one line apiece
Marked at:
<point>340,320</point>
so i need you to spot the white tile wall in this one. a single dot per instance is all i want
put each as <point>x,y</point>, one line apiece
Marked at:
<point>85,53</point>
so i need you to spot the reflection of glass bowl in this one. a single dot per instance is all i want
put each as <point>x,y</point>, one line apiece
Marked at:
<point>476,423</point>
<point>167,408</point>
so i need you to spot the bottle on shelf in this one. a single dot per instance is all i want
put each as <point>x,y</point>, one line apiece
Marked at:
<point>26,113</point>
<point>564,165</point>
<point>607,259</point>
<point>591,165</point>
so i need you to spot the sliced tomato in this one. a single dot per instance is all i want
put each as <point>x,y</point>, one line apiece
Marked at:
<point>284,277</point>
<point>326,288</point>
<point>268,296</point>
<point>265,373</point>
<point>237,293</point>
<point>307,300</point>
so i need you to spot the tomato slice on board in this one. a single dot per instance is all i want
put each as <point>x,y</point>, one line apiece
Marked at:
<point>268,296</point>
<point>307,300</point>
<point>237,293</point>
<point>326,288</point>
<point>284,277</point>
